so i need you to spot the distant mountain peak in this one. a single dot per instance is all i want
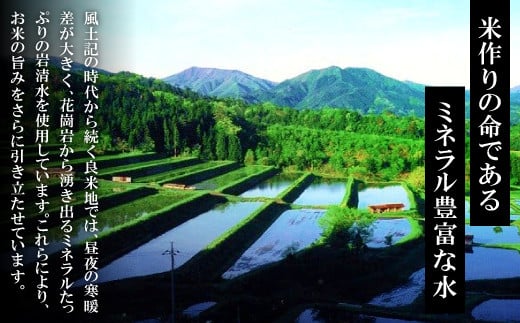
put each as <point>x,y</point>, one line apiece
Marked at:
<point>357,88</point>
<point>219,82</point>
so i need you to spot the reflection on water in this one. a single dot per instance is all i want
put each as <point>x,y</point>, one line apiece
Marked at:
<point>403,295</point>
<point>292,231</point>
<point>188,239</point>
<point>272,186</point>
<point>322,192</point>
<point>396,228</point>
<point>225,179</point>
<point>498,310</point>
<point>382,194</point>
<point>312,315</point>
<point>195,309</point>
<point>492,263</point>
<point>487,235</point>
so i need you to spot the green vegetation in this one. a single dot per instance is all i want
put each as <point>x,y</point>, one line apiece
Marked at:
<point>146,115</point>
<point>416,231</point>
<point>346,228</point>
<point>239,180</point>
<point>128,213</point>
<point>410,193</point>
<point>220,167</point>
<point>220,254</point>
<point>149,115</point>
<point>109,194</point>
<point>166,202</point>
<point>350,191</point>
<point>359,89</point>
<point>296,188</point>
<point>170,175</point>
<point>112,160</point>
<point>515,162</point>
<point>366,156</point>
<point>150,167</point>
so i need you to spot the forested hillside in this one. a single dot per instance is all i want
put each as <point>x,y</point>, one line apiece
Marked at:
<point>151,115</point>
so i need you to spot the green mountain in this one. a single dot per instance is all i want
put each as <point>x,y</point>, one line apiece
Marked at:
<point>220,83</point>
<point>360,89</point>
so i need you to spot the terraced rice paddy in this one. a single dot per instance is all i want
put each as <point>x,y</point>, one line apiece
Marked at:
<point>188,239</point>
<point>290,229</point>
<point>223,180</point>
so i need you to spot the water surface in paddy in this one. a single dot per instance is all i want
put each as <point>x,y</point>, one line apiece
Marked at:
<point>492,263</point>
<point>498,310</point>
<point>322,192</point>
<point>188,239</point>
<point>396,228</point>
<point>272,186</point>
<point>370,194</point>
<point>312,315</point>
<point>292,231</point>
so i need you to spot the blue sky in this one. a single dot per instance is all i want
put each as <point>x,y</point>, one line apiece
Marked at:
<point>422,41</point>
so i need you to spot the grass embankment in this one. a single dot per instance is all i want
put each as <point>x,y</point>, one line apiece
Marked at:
<point>53,153</point>
<point>240,180</point>
<point>104,188</point>
<point>113,244</point>
<point>514,196</point>
<point>106,202</point>
<point>175,174</point>
<point>134,223</point>
<point>129,213</point>
<point>416,231</point>
<point>109,193</point>
<point>102,162</point>
<point>105,161</point>
<point>149,167</point>
<point>203,174</point>
<point>222,253</point>
<point>318,275</point>
<point>350,190</point>
<point>292,192</point>
<point>411,194</point>
<point>511,246</point>
<point>130,234</point>
<point>515,207</point>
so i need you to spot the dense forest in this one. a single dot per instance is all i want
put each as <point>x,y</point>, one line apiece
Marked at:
<point>150,115</point>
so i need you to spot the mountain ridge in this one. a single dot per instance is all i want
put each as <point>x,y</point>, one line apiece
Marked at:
<point>357,88</point>
<point>219,82</point>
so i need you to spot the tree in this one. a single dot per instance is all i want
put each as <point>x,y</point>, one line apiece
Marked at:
<point>207,145</point>
<point>249,158</point>
<point>221,145</point>
<point>416,178</point>
<point>234,148</point>
<point>176,138</point>
<point>346,228</point>
<point>168,144</point>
